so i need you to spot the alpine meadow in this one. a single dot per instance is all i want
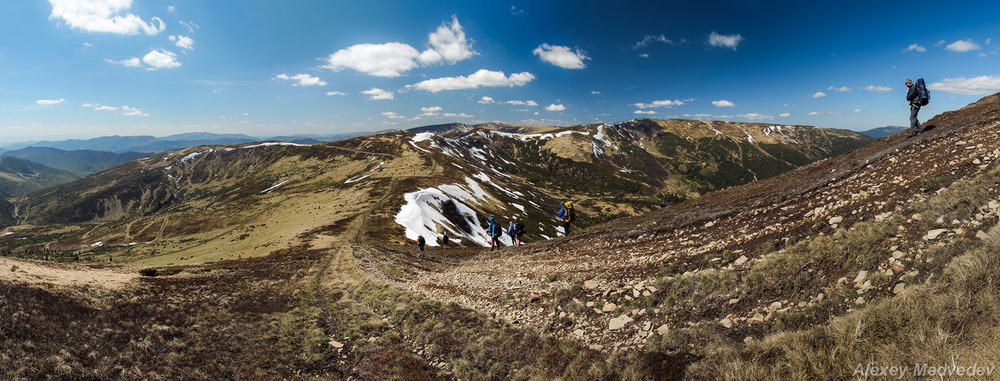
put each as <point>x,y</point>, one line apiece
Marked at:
<point>499,190</point>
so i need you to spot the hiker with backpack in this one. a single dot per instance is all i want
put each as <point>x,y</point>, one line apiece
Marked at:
<point>444,239</point>
<point>494,230</point>
<point>516,230</point>
<point>421,242</point>
<point>566,214</point>
<point>918,95</point>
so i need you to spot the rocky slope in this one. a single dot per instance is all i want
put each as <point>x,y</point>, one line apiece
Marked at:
<point>788,252</point>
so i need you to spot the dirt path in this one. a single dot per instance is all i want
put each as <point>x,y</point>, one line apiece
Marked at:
<point>40,273</point>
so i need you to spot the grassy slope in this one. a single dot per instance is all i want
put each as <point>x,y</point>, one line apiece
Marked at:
<point>19,176</point>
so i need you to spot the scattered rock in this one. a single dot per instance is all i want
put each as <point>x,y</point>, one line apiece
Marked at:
<point>917,217</point>
<point>742,260</point>
<point>728,323</point>
<point>861,278</point>
<point>336,344</point>
<point>933,234</point>
<point>860,300</point>
<point>578,333</point>
<point>610,307</point>
<point>836,220</point>
<point>757,318</point>
<point>897,254</point>
<point>619,322</point>
<point>899,288</point>
<point>982,235</point>
<point>662,330</point>
<point>591,284</point>
<point>748,340</point>
<point>774,306</point>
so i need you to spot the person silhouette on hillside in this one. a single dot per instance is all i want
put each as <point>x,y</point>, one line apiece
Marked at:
<point>913,96</point>
<point>516,230</point>
<point>566,214</point>
<point>444,239</point>
<point>494,230</point>
<point>421,242</point>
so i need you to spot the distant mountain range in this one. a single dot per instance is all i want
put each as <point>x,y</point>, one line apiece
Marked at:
<point>19,177</point>
<point>122,144</point>
<point>882,132</point>
<point>79,162</point>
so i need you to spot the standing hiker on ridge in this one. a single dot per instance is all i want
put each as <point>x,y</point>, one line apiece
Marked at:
<point>421,242</point>
<point>566,214</point>
<point>516,230</point>
<point>444,239</point>
<point>918,95</point>
<point>494,230</point>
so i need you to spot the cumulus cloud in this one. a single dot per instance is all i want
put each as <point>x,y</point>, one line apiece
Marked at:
<point>103,16</point>
<point>454,115</point>
<point>877,89</point>
<point>962,46</point>
<point>649,39</point>
<point>730,41</point>
<point>785,115</point>
<point>561,56</point>
<point>430,111</point>
<point>302,80</point>
<point>486,100</point>
<point>816,113</point>
<point>915,48</point>
<point>522,103</point>
<point>481,78</point>
<point>160,59</point>
<point>49,102</point>
<point>380,60</point>
<point>842,89</point>
<point>376,94</point>
<point>555,107</point>
<point>447,43</point>
<point>183,42</point>
<point>819,94</point>
<point>986,84</point>
<point>723,103</point>
<point>132,111</point>
<point>126,110</point>
<point>664,103</point>
<point>331,93</point>
<point>392,115</point>
<point>392,59</point>
<point>650,112</point>
<point>131,62</point>
<point>754,116</point>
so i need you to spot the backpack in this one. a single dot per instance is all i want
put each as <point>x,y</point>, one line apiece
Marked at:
<point>494,230</point>
<point>519,228</point>
<point>923,95</point>
<point>569,211</point>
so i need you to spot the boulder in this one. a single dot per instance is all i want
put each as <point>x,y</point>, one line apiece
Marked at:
<point>610,307</point>
<point>728,323</point>
<point>899,288</point>
<point>619,322</point>
<point>662,330</point>
<point>861,278</point>
<point>933,234</point>
<point>742,260</point>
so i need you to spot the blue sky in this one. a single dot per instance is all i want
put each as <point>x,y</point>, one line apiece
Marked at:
<point>85,68</point>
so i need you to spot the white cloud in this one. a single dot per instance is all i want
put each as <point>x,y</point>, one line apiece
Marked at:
<point>392,115</point>
<point>104,108</point>
<point>939,43</point>
<point>481,78</point>
<point>785,114</point>
<point>522,103</point>
<point>555,107</point>
<point>595,92</point>
<point>915,48</point>
<point>650,112</point>
<point>663,103</point>
<point>724,40</point>
<point>171,8</point>
<point>988,40</point>
<point>819,94</point>
<point>376,94</point>
<point>815,113</point>
<point>643,55</point>
<point>486,100</point>
<point>962,46</point>
<point>160,59</point>
<point>561,56</point>
<point>331,93</point>
<point>454,115</point>
<point>754,116</point>
<point>392,59</point>
<point>842,89</point>
<point>87,44</point>
<point>103,16</point>
<point>302,80</point>
<point>430,111</point>
<point>982,85</point>
<point>380,60</point>
<point>183,42</point>
<point>448,43</point>
<point>857,110</point>
<point>877,89</point>
<point>132,111</point>
<point>190,25</point>
<point>648,39</point>
<point>131,62</point>
<point>723,103</point>
<point>49,102</point>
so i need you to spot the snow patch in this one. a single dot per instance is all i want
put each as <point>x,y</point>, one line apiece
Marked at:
<point>273,187</point>
<point>276,144</point>
<point>421,216</point>
<point>193,155</point>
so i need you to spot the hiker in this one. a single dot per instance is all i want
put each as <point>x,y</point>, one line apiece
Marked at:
<point>566,214</point>
<point>917,95</point>
<point>421,242</point>
<point>444,239</point>
<point>494,230</point>
<point>516,230</point>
